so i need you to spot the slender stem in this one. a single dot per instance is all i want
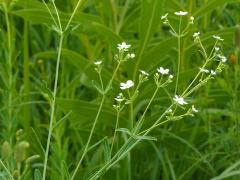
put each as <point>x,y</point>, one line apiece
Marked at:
<point>73,14</point>
<point>89,138</point>
<point>9,67</point>
<point>194,80</point>
<point>49,11</point>
<point>53,105</point>
<point>114,136</point>
<point>26,74</point>
<point>179,54</point>
<point>58,17</point>
<point>140,122</point>
<point>6,169</point>
<point>101,81</point>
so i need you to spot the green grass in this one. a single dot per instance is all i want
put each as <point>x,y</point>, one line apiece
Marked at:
<point>56,115</point>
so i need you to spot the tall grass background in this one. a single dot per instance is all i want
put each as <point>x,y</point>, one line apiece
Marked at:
<point>201,147</point>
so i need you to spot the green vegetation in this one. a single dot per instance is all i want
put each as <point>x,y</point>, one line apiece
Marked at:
<point>119,89</point>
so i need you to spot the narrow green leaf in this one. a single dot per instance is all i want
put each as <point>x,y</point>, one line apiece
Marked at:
<point>37,175</point>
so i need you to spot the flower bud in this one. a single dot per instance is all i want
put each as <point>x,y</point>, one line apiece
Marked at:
<point>20,151</point>
<point>6,150</point>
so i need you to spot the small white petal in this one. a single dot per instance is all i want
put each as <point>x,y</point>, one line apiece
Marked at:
<point>124,46</point>
<point>191,20</point>
<point>162,71</point>
<point>196,34</point>
<point>222,58</point>
<point>131,56</point>
<point>170,76</point>
<point>194,109</point>
<point>179,100</point>
<point>217,38</point>
<point>144,73</point>
<point>98,62</point>
<point>127,85</point>
<point>213,72</point>
<point>217,48</point>
<point>181,13</point>
<point>204,70</point>
<point>164,16</point>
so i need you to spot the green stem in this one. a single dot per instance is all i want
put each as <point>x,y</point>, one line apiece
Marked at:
<point>9,68</point>
<point>141,120</point>
<point>179,54</point>
<point>53,105</point>
<point>89,138</point>
<point>6,169</point>
<point>26,75</point>
<point>73,14</point>
<point>114,136</point>
<point>95,121</point>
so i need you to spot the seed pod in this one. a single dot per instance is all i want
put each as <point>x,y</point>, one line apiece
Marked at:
<point>19,134</point>
<point>6,150</point>
<point>20,151</point>
<point>32,159</point>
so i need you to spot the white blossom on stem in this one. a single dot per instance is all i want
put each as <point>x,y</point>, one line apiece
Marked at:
<point>179,100</point>
<point>126,85</point>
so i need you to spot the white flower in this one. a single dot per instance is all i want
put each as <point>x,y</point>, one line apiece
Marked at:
<point>213,72</point>
<point>191,20</point>
<point>181,13</point>
<point>98,62</point>
<point>169,111</point>
<point>222,58</point>
<point>170,76</point>
<point>144,73</point>
<point>164,16</point>
<point>124,46</point>
<point>163,71</point>
<point>179,100</point>
<point>119,97</point>
<point>126,85</point>
<point>131,56</point>
<point>204,70</point>
<point>216,48</point>
<point>217,38</point>
<point>194,109</point>
<point>196,34</point>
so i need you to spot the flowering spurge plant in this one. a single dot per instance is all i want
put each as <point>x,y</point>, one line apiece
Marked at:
<point>180,102</point>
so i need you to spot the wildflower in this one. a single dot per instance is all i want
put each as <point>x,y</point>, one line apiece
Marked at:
<point>179,100</point>
<point>181,13</point>
<point>119,97</point>
<point>191,20</point>
<point>213,72</point>
<point>196,34</point>
<point>163,71</point>
<point>169,111</point>
<point>124,46</point>
<point>126,85</point>
<point>204,70</point>
<point>164,16</point>
<point>216,48</point>
<point>144,73</point>
<point>170,76</point>
<point>131,56</point>
<point>194,109</point>
<point>98,62</point>
<point>217,38</point>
